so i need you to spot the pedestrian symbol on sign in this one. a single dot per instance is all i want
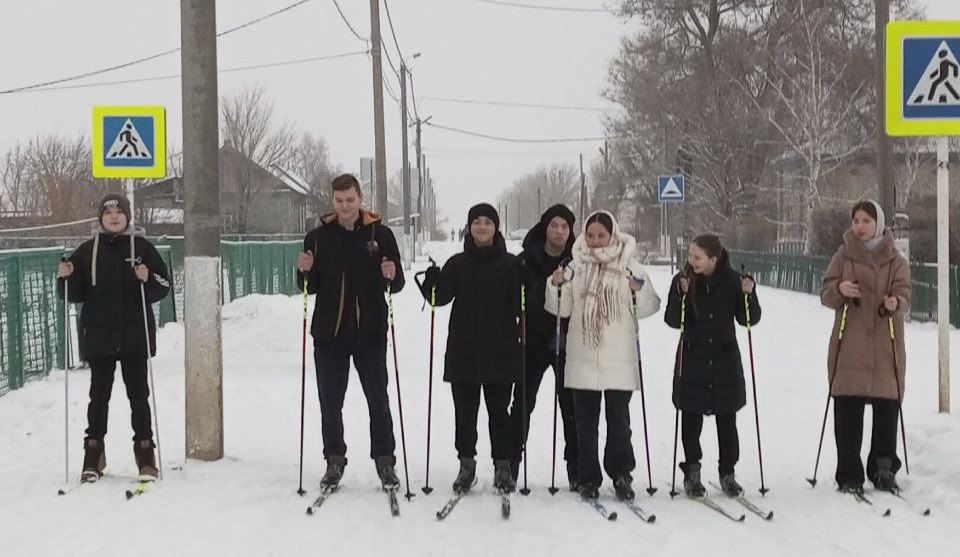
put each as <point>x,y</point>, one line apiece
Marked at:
<point>940,83</point>
<point>128,144</point>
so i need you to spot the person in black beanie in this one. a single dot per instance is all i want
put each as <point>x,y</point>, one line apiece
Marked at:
<point>483,349</point>
<point>105,274</point>
<point>545,248</point>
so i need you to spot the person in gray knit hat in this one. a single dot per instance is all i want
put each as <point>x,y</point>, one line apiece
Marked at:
<point>105,274</point>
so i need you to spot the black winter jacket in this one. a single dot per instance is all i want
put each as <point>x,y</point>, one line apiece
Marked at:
<point>483,344</point>
<point>111,319</point>
<point>534,270</point>
<point>346,276</point>
<point>711,379</point>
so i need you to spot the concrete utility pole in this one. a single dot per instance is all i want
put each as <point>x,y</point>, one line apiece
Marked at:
<point>382,200</point>
<point>887,187</point>
<point>410,241</point>
<point>201,172</point>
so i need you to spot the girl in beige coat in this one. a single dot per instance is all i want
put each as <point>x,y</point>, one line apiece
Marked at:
<point>868,282</point>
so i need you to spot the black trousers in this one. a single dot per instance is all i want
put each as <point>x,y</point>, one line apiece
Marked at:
<point>727,439</point>
<point>466,404</point>
<point>848,430</point>
<point>134,371</point>
<point>618,458</point>
<point>537,365</point>
<point>369,352</point>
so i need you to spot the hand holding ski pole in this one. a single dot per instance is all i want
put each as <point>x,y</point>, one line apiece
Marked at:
<point>305,261</point>
<point>142,272</point>
<point>65,269</point>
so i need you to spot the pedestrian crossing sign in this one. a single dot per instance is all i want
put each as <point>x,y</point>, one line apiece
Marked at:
<point>670,188</point>
<point>129,142</point>
<point>923,78</point>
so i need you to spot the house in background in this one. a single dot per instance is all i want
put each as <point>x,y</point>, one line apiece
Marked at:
<point>253,200</point>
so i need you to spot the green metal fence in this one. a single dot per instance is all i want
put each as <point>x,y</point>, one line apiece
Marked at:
<point>804,273</point>
<point>31,327</point>
<point>31,315</point>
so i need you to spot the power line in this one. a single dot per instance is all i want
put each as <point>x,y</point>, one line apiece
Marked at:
<point>541,7</point>
<point>147,58</point>
<point>345,20</point>
<point>175,76</point>
<point>519,105</point>
<point>392,30</point>
<point>515,140</point>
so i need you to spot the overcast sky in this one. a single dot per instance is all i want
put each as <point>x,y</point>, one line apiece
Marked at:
<point>471,50</point>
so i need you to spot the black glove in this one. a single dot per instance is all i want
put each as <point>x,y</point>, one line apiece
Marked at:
<point>430,278</point>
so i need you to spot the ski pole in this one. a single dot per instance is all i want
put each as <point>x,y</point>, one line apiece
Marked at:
<point>896,377</point>
<point>753,380</point>
<point>556,383</point>
<point>146,334</point>
<point>433,309</point>
<point>303,382</point>
<point>643,399</point>
<point>826,410</point>
<point>676,416</point>
<point>396,368</point>
<point>523,370</point>
<point>66,376</point>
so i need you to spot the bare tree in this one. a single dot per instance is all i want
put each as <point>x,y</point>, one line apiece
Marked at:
<point>60,172</point>
<point>15,192</point>
<point>820,104</point>
<point>249,126</point>
<point>311,160</point>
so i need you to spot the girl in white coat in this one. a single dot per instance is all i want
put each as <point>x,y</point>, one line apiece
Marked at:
<point>602,359</point>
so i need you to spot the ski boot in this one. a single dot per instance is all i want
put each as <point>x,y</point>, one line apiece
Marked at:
<point>730,487</point>
<point>623,488</point>
<point>146,463</point>
<point>331,478</point>
<point>884,479</point>
<point>94,460</point>
<point>692,485</point>
<point>573,476</point>
<point>502,479</point>
<point>467,476</point>
<point>589,491</point>
<point>388,475</point>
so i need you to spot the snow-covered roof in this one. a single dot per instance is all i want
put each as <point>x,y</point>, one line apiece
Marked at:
<point>291,180</point>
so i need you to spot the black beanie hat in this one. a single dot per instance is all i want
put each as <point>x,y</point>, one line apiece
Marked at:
<point>114,201</point>
<point>558,210</point>
<point>483,210</point>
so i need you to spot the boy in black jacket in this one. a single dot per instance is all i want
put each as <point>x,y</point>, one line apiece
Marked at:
<point>348,261</point>
<point>546,246</point>
<point>105,275</point>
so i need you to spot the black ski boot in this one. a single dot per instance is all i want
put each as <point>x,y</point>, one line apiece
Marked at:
<point>589,491</point>
<point>94,460</point>
<point>884,478</point>
<point>730,486</point>
<point>502,478</point>
<point>692,485</point>
<point>331,478</point>
<point>467,476</point>
<point>515,469</point>
<point>623,488</point>
<point>573,476</point>
<point>851,488</point>
<point>388,475</point>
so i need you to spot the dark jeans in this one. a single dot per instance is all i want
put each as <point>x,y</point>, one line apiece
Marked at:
<point>134,372</point>
<point>537,365</point>
<point>727,438</point>
<point>369,352</point>
<point>848,429</point>
<point>618,458</point>
<point>466,404</point>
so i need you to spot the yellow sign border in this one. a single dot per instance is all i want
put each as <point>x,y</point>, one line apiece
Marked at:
<point>897,125</point>
<point>159,168</point>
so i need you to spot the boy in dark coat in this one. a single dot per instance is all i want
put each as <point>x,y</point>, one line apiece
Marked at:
<point>483,349</point>
<point>709,379</point>
<point>105,275</point>
<point>546,246</point>
<point>348,261</point>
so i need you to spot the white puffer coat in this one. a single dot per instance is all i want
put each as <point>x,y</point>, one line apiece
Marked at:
<point>613,365</point>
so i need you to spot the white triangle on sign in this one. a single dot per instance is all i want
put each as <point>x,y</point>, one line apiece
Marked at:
<point>940,83</point>
<point>671,190</point>
<point>128,144</point>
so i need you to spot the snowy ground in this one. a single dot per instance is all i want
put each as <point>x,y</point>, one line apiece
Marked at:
<point>246,504</point>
